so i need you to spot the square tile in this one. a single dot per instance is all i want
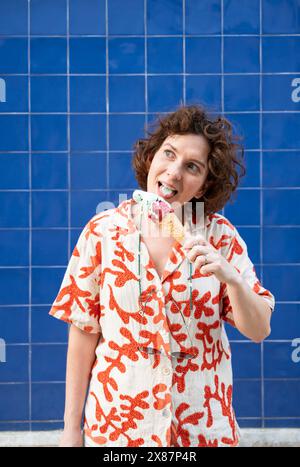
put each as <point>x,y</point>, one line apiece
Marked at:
<point>246,208</point>
<point>49,171</point>
<point>88,132</point>
<point>46,329</point>
<point>11,333</point>
<point>171,96</point>
<point>241,92</point>
<point>48,362</point>
<point>87,55</point>
<point>210,62</point>
<point>14,245</point>
<point>120,177</point>
<point>203,17</point>
<point>11,280</point>
<point>48,55</point>
<point>246,360</point>
<point>46,283</point>
<point>14,132</point>
<point>48,17</point>
<point>14,171</point>
<point>129,20</point>
<point>12,23</point>
<point>164,17</point>
<point>49,247</point>
<point>281,131</point>
<point>281,17</point>
<point>15,368</point>
<point>280,92</point>
<point>283,281</point>
<point>281,169</point>
<point>247,49</point>
<point>48,400</point>
<point>127,94</point>
<point>284,321</point>
<point>14,402</point>
<point>252,164</point>
<point>13,55</point>
<point>88,171</point>
<point>275,210</point>
<point>84,206</point>
<point>49,209</point>
<point>48,94</point>
<point>246,126</point>
<point>49,132</point>
<point>278,54</point>
<point>205,90</point>
<point>241,16</point>
<point>14,209</point>
<point>165,55</point>
<point>251,236</point>
<point>124,130</point>
<point>126,55</point>
<point>281,360</point>
<point>282,398</point>
<point>87,17</point>
<point>15,92</point>
<point>247,398</point>
<point>88,93</point>
<point>286,242</point>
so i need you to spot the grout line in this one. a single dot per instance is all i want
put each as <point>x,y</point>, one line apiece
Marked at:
<point>30,215</point>
<point>222,70</point>
<point>227,73</point>
<point>134,36</point>
<point>184,49</point>
<point>107,113</point>
<point>146,62</point>
<point>261,205</point>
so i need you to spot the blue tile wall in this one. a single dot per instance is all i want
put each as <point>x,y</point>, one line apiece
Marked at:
<point>78,83</point>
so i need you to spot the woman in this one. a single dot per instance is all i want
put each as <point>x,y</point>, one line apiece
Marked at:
<point>147,313</point>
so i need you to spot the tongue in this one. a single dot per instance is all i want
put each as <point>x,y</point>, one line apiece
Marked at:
<point>165,195</point>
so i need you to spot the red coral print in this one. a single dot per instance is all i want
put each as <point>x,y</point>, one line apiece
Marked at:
<point>140,393</point>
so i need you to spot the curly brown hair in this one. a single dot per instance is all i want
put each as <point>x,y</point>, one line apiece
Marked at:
<point>225,159</point>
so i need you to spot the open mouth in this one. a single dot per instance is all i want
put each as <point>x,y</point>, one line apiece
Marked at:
<point>165,191</point>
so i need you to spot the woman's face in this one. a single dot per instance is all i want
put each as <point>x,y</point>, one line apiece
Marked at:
<point>181,164</point>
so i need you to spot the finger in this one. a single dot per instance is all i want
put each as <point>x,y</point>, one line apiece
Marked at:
<point>200,261</point>
<point>192,241</point>
<point>198,251</point>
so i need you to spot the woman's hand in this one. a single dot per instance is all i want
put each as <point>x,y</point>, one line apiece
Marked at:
<point>71,438</point>
<point>209,260</point>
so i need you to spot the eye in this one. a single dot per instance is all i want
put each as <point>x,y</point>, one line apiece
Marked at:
<point>194,167</point>
<point>167,151</point>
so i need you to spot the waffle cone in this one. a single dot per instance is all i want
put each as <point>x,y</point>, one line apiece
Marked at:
<point>171,225</point>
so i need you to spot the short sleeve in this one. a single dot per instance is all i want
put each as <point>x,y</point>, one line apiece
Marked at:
<point>78,300</point>
<point>237,254</point>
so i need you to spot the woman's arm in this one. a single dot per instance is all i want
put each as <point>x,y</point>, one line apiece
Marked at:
<point>80,359</point>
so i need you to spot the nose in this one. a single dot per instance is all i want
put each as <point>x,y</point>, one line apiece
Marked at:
<point>174,170</point>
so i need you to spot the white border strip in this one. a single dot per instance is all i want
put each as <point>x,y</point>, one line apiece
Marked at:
<point>251,437</point>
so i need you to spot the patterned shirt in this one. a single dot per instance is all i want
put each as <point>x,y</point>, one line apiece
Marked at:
<point>136,398</point>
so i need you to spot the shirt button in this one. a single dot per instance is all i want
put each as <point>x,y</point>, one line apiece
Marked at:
<point>165,413</point>
<point>160,294</point>
<point>166,371</point>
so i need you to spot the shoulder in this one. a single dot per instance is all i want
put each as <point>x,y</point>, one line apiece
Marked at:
<point>105,221</point>
<point>218,224</point>
<point>220,232</point>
